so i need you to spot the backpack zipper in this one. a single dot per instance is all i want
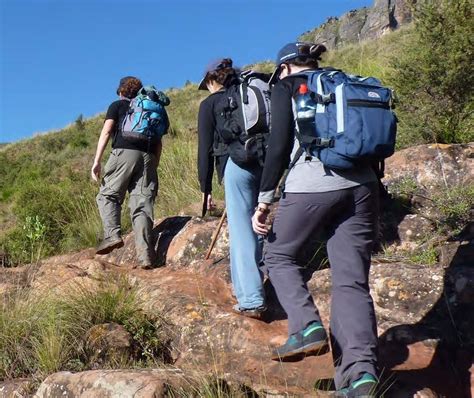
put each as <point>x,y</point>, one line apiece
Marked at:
<point>368,104</point>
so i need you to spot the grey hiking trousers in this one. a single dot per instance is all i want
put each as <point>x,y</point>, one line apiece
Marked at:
<point>133,171</point>
<point>348,218</point>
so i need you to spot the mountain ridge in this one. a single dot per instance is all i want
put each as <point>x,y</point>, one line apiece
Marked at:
<point>362,24</point>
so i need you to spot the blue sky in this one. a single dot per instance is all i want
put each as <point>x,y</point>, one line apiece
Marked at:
<point>63,58</point>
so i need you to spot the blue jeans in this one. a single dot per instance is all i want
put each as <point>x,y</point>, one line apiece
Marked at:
<point>241,193</point>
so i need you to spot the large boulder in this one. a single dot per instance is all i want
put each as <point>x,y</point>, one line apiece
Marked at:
<point>431,166</point>
<point>16,388</point>
<point>327,33</point>
<point>416,176</point>
<point>112,384</point>
<point>179,241</point>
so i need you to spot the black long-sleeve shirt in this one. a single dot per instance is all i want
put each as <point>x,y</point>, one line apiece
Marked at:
<point>282,137</point>
<point>208,126</point>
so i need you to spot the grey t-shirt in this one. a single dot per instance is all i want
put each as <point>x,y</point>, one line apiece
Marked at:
<point>312,176</point>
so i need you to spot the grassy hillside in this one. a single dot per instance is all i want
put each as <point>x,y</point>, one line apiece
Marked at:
<point>47,200</point>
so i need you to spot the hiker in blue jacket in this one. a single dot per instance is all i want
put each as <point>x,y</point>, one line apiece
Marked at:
<point>341,203</point>
<point>241,190</point>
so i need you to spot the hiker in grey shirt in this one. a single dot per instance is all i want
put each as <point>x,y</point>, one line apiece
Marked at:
<point>341,203</point>
<point>131,167</point>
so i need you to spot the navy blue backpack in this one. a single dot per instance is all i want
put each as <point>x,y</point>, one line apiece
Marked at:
<point>354,121</point>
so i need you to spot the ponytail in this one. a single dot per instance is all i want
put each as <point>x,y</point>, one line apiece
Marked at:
<point>309,56</point>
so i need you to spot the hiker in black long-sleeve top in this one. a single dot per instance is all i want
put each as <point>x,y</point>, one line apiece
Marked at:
<point>241,187</point>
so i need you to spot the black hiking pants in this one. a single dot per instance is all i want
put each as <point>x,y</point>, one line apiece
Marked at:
<point>348,218</point>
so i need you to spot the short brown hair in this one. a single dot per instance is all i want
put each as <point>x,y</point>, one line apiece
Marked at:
<point>129,87</point>
<point>225,76</point>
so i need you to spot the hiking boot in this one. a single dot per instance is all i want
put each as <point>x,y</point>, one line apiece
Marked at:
<point>255,313</point>
<point>361,388</point>
<point>109,244</point>
<point>312,340</point>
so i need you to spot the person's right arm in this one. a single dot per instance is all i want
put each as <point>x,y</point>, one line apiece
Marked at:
<point>280,141</point>
<point>104,138</point>
<point>206,127</point>
<point>280,145</point>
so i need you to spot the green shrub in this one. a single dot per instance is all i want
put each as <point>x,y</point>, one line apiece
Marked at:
<point>433,74</point>
<point>454,207</point>
<point>80,122</point>
<point>178,177</point>
<point>35,231</point>
<point>424,256</point>
<point>119,302</point>
<point>41,335</point>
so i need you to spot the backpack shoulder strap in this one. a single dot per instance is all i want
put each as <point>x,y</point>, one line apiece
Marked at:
<point>298,154</point>
<point>251,74</point>
<point>246,77</point>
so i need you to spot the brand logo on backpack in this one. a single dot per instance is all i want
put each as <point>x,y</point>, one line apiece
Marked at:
<point>146,119</point>
<point>352,120</point>
<point>245,108</point>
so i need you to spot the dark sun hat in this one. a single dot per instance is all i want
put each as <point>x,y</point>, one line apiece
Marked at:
<point>213,66</point>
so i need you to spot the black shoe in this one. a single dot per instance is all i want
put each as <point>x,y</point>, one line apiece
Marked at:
<point>109,244</point>
<point>312,340</point>
<point>361,388</point>
<point>255,313</point>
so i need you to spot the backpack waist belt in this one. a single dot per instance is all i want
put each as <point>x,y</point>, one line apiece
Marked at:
<point>316,141</point>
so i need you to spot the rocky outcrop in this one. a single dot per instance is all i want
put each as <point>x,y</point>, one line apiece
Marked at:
<point>106,343</point>
<point>362,24</point>
<point>415,326</point>
<point>17,388</point>
<point>423,172</point>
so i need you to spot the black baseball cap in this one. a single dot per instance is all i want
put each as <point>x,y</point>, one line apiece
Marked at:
<point>295,50</point>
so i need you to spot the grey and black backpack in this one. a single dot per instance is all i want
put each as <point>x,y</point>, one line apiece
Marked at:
<point>245,108</point>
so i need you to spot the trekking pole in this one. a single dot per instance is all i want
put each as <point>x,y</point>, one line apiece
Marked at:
<point>216,234</point>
